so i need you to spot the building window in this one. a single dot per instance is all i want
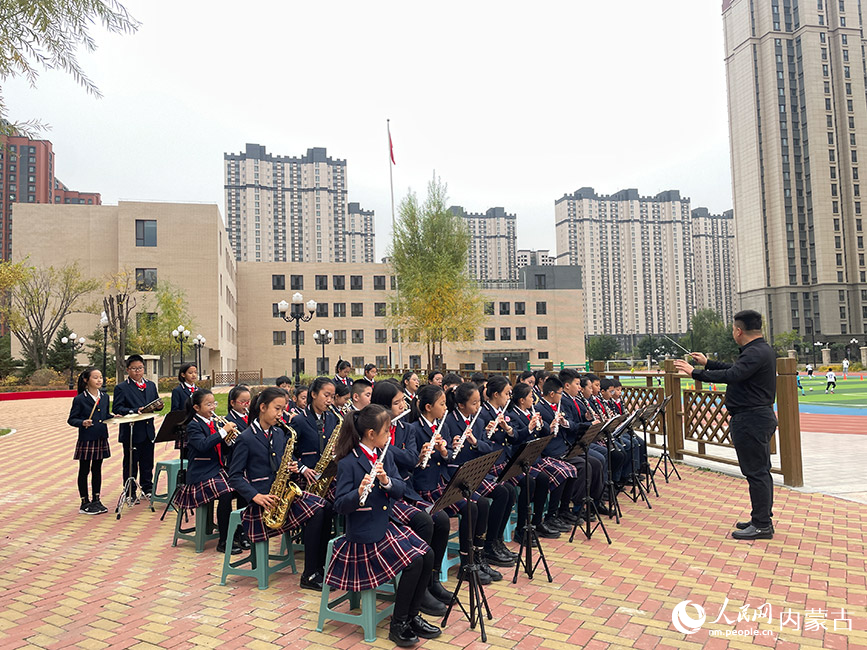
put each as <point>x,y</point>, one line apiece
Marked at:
<point>490,334</point>
<point>393,282</point>
<point>321,283</point>
<point>381,361</point>
<point>340,336</point>
<point>415,361</point>
<point>358,362</point>
<point>379,309</point>
<point>356,282</point>
<point>504,309</point>
<point>145,232</point>
<point>322,309</point>
<point>279,337</point>
<point>379,283</point>
<point>505,333</point>
<point>358,336</point>
<point>541,308</point>
<point>489,309</point>
<point>542,333</point>
<point>323,364</point>
<point>380,336</point>
<point>541,281</point>
<point>339,310</point>
<point>278,282</point>
<point>520,309</point>
<point>339,282</point>
<point>300,337</point>
<point>543,355</point>
<point>298,368</point>
<point>357,309</point>
<point>296,282</point>
<point>275,310</point>
<point>145,279</point>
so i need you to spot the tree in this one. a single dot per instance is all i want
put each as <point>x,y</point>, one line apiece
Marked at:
<point>47,34</point>
<point>118,306</point>
<point>94,353</point>
<point>60,355</point>
<point>785,341</point>
<point>161,312</point>
<point>7,364</point>
<point>602,347</point>
<point>436,300</point>
<point>39,303</point>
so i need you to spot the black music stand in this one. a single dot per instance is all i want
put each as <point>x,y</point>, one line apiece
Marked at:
<point>466,481</point>
<point>527,454</point>
<point>130,485</point>
<point>172,430</point>
<point>588,506</point>
<point>608,427</point>
<point>638,490</point>
<point>644,416</point>
<point>665,458</point>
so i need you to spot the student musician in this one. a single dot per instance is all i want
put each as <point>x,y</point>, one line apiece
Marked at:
<point>283,382</point>
<point>239,409</point>
<point>370,372</point>
<point>341,397</point>
<point>409,383</point>
<point>627,444</point>
<point>410,511</point>
<point>342,373</point>
<point>256,458</point>
<point>88,413</point>
<point>436,378</point>
<point>130,397</point>
<point>314,425</point>
<point>451,381</point>
<point>187,377</point>
<point>359,397</point>
<point>539,381</point>
<point>374,550</point>
<point>431,480</point>
<point>207,479</point>
<point>301,394</point>
<point>464,403</point>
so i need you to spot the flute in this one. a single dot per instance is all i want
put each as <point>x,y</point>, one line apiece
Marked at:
<point>460,443</point>
<point>403,413</point>
<point>426,459</point>
<point>372,476</point>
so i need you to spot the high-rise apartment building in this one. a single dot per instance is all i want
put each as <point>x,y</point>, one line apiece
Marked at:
<point>713,261</point>
<point>636,256</point>
<point>27,176</point>
<point>293,209</point>
<point>493,245</point>
<point>798,126</point>
<point>527,257</point>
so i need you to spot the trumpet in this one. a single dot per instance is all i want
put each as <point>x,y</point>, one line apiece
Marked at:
<point>372,476</point>
<point>231,434</point>
<point>460,443</point>
<point>429,452</point>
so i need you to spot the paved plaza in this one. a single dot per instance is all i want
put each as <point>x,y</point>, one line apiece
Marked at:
<point>77,581</point>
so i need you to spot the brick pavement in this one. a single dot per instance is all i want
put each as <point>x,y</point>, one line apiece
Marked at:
<point>93,582</point>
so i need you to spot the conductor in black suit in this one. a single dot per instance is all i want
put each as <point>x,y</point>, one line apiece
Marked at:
<point>750,393</point>
<point>129,397</point>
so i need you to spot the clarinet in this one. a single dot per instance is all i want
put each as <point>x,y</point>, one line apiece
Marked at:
<point>426,459</point>
<point>460,443</point>
<point>372,476</point>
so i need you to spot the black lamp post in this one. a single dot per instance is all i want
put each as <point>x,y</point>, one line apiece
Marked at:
<point>103,321</point>
<point>198,344</point>
<point>323,337</point>
<point>298,315</point>
<point>180,335</point>
<point>74,347</point>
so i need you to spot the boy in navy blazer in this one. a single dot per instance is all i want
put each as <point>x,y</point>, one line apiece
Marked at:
<point>129,397</point>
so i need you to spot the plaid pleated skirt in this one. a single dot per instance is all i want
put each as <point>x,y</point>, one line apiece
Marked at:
<point>356,566</point>
<point>558,471</point>
<point>431,496</point>
<point>302,509</point>
<point>199,494</point>
<point>402,512</point>
<point>91,450</point>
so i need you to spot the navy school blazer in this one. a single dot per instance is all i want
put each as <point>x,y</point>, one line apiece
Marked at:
<point>202,445</point>
<point>180,396</point>
<point>128,399</point>
<point>560,444</point>
<point>250,472</point>
<point>455,426</point>
<point>521,424</point>
<point>82,404</point>
<point>309,443</point>
<point>436,472</point>
<point>498,438</point>
<point>365,524</point>
<point>404,452</point>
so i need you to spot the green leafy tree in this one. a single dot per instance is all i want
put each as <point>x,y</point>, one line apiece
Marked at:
<point>602,347</point>
<point>47,34</point>
<point>161,311</point>
<point>8,365</point>
<point>436,301</point>
<point>785,341</point>
<point>60,354</point>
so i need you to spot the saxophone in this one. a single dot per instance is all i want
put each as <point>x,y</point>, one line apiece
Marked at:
<point>285,490</point>
<point>320,486</point>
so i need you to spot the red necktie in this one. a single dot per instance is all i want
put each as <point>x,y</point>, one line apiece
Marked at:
<point>554,407</point>
<point>245,420</point>
<point>213,429</point>
<point>433,428</point>
<point>393,429</point>
<point>141,386</point>
<point>467,422</point>
<point>529,417</point>
<point>370,457</point>
<point>192,389</point>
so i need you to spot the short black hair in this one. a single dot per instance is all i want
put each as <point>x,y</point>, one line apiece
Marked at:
<point>552,385</point>
<point>605,384</point>
<point>341,389</point>
<point>749,320</point>
<point>592,377</point>
<point>360,385</point>
<point>282,379</point>
<point>568,374</point>
<point>131,359</point>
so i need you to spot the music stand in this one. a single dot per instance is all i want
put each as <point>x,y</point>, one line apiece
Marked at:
<point>130,485</point>
<point>466,480</point>
<point>588,506</point>
<point>665,458</point>
<point>638,490</point>
<point>527,454</point>
<point>614,510</point>
<point>171,430</point>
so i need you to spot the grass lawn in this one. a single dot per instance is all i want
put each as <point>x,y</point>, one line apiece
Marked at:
<point>3,432</point>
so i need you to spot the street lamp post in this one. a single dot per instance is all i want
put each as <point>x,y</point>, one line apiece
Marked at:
<point>851,342</point>
<point>180,335</point>
<point>198,344</point>
<point>323,337</point>
<point>103,321</point>
<point>298,315</point>
<point>812,338</point>
<point>817,344</point>
<point>75,345</point>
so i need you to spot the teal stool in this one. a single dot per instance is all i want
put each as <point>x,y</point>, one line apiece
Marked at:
<point>171,468</point>
<point>204,530</point>
<point>510,527</point>
<point>259,558</point>
<point>369,617</point>
<point>449,561</point>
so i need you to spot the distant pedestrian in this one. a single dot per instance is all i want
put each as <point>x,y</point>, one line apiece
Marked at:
<point>800,387</point>
<point>832,381</point>
<point>845,368</point>
<point>810,370</point>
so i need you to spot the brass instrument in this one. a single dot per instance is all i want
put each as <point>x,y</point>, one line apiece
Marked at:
<point>285,490</point>
<point>339,411</point>
<point>230,435</point>
<point>320,486</point>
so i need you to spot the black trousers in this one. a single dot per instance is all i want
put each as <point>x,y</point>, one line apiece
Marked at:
<point>539,487</point>
<point>317,532</point>
<point>411,588</point>
<point>502,501</point>
<point>751,433</point>
<point>86,467</point>
<point>434,530</point>
<point>597,482</point>
<point>142,464</point>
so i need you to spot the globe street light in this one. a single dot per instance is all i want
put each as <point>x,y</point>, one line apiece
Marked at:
<point>323,337</point>
<point>180,334</point>
<point>198,344</point>
<point>298,315</point>
<point>74,347</point>
<point>103,322</point>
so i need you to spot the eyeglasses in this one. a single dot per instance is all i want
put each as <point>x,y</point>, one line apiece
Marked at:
<point>136,368</point>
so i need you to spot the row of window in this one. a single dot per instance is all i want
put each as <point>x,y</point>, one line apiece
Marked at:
<point>356,336</point>
<point>520,308</point>
<point>338,282</point>
<point>520,333</point>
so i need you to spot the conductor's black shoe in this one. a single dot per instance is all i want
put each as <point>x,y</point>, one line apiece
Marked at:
<point>423,629</point>
<point>493,574</point>
<point>546,531</point>
<point>432,606</point>
<point>82,509</point>
<point>400,633</point>
<point>567,516</point>
<point>493,556</point>
<point>751,532</point>
<point>313,582</point>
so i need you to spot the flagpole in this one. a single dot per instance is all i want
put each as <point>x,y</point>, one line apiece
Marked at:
<point>393,226</point>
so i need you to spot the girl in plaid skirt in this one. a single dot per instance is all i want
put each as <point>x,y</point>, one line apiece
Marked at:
<point>374,550</point>
<point>89,412</point>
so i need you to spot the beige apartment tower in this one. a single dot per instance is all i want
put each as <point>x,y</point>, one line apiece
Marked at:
<point>493,245</point>
<point>293,209</point>
<point>798,123</point>
<point>713,249</point>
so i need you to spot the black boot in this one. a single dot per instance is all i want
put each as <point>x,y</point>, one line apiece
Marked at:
<point>400,633</point>
<point>431,605</point>
<point>437,590</point>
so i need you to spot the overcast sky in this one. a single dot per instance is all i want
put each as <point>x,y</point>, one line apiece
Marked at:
<point>511,105</point>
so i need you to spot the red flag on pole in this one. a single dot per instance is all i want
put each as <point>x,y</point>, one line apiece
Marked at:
<point>390,145</point>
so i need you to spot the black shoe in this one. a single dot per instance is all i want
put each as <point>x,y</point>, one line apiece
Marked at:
<point>484,578</point>
<point>437,590</point>
<point>82,509</point>
<point>558,524</point>
<point>423,629</point>
<point>567,516</point>
<point>221,548</point>
<point>97,504</point>
<point>743,525</point>
<point>492,555</point>
<point>242,541</point>
<point>500,545</point>
<point>431,605</point>
<point>546,531</point>
<point>400,633</point>
<point>313,582</point>
<point>492,573</point>
<point>604,510</point>
<point>751,532</point>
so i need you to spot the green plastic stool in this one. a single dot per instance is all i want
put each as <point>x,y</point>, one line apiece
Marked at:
<point>259,558</point>
<point>448,562</point>
<point>171,468</point>
<point>369,618</point>
<point>204,530</point>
